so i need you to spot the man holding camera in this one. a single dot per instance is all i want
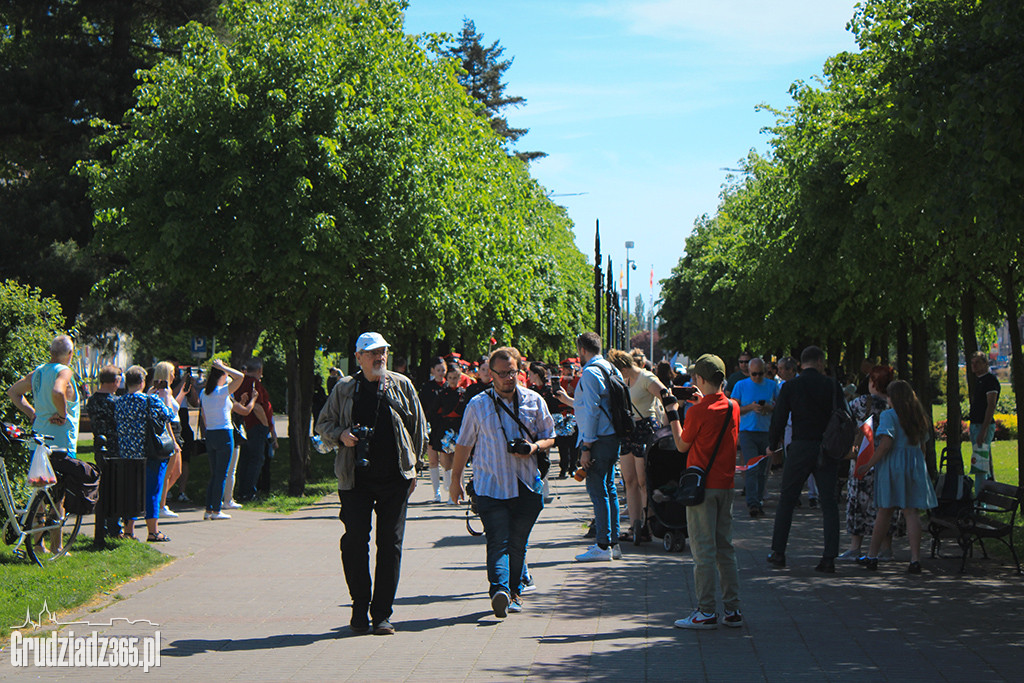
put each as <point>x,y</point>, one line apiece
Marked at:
<point>505,428</point>
<point>375,420</point>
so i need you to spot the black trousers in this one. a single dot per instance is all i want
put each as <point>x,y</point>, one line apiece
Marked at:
<point>568,454</point>
<point>389,500</point>
<point>802,460</point>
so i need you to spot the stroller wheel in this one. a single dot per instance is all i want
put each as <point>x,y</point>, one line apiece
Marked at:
<point>669,541</point>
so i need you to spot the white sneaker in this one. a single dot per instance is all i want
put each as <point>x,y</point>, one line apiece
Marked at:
<point>168,512</point>
<point>616,552</point>
<point>218,515</point>
<point>231,505</point>
<point>516,606</point>
<point>183,498</point>
<point>699,620</point>
<point>595,553</point>
<point>437,497</point>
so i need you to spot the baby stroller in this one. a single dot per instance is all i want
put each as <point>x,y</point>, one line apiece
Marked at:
<point>667,518</point>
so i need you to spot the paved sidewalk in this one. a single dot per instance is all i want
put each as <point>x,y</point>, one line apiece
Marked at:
<point>261,597</point>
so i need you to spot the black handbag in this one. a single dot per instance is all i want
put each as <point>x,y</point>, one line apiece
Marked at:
<point>159,444</point>
<point>693,482</point>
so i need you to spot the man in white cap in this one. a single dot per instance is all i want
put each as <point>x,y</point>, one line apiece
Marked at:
<point>375,420</point>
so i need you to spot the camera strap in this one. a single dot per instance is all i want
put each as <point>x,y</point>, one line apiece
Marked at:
<point>381,386</point>
<point>514,415</point>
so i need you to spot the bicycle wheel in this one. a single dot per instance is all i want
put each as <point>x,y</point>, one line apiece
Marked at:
<point>51,531</point>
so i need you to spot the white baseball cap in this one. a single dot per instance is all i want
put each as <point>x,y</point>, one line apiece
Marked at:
<point>370,341</point>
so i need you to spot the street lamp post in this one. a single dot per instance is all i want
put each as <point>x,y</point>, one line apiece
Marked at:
<point>630,263</point>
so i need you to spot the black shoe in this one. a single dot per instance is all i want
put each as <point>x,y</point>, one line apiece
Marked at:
<point>914,568</point>
<point>826,566</point>
<point>360,622</point>
<point>777,559</point>
<point>384,628</point>
<point>813,502</point>
<point>591,531</point>
<point>870,563</point>
<point>754,511</point>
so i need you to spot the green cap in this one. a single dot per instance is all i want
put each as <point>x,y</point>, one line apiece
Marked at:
<point>710,368</point>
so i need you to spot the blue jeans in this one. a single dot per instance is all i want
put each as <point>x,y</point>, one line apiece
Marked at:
<point>604,453</point>
<point>219,444</point>
<point>251,456</point>
<point>753,444</point>
<point>155,472</point>
<point>507,525</point>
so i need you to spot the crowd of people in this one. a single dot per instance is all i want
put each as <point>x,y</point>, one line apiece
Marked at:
<point>505,419</point>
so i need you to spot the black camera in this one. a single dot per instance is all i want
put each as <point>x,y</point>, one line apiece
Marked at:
<point>364,434</point>
<point>519,447</point>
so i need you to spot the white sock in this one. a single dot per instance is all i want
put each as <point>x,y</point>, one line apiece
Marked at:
<point>446,476</point>
<point>435,480</point>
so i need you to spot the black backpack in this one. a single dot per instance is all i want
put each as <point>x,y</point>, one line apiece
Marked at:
<point>841,431</point>
<point>621,406</point>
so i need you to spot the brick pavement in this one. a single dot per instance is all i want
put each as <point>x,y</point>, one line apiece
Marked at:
<point>261,597</point>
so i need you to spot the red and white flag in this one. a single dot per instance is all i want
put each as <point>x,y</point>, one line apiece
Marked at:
<point>867,447</point>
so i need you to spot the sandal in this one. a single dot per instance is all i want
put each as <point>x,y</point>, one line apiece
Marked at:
<point>626,536</point>
<point>158,537</point>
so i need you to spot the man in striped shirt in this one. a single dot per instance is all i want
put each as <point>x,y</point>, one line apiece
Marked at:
<point>504,428</point>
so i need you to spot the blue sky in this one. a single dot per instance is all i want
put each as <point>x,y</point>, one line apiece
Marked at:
<point>641,104</point>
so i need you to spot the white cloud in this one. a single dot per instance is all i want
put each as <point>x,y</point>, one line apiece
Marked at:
<point>773,30</point>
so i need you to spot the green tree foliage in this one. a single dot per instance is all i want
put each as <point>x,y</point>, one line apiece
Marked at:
<point>891,198</point>
<point>320,173</point>
<point>28,323</point>
<point>63,62</point>
<point>483,71</point>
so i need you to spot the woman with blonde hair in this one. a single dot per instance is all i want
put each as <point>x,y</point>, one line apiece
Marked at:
<point>644,390</point>
<point>901,476</point>
<point>163,379</point>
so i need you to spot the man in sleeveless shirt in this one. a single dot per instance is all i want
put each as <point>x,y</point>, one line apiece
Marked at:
<point>57,404</point>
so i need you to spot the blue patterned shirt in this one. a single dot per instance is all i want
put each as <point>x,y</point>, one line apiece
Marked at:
<point>496,472</point>
<point>130,416</point>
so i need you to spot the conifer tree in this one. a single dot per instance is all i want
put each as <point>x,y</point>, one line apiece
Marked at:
<point>484,71</point>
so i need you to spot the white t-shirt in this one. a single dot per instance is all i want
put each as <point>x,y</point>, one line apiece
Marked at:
<point>217,407</point>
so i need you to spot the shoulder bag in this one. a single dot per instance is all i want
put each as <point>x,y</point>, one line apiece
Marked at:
<point>693,483</point>
<point>159,444</point>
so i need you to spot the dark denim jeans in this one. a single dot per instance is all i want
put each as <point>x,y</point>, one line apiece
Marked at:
<point>507,525</point>
<point>219,444</point>
<point>604,453</point>
<point>250,460</point>
<point>803,458</point>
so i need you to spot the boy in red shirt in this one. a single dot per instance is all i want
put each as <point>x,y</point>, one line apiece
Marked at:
<point>710,524</point>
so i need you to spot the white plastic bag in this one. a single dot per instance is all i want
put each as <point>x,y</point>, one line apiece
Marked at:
<point>40,471</point>
<point>981,459</point>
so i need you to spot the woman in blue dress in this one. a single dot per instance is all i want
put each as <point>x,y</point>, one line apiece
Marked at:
<point>901,476</point>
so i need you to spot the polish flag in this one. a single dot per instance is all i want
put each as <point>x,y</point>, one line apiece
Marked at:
<point>867,446</point>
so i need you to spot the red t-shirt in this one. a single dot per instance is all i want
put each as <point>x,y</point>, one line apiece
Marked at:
<point>263,399</point>
<point>701,428</point>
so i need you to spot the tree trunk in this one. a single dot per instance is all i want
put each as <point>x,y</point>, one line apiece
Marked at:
<point>883,344</point>
<point>834,351</point>
<point>954,456</point>
<point>1016,362</point>
<point>243,339</point>
<point>300,407</point>
<point>968,326</point>
<point>903,351</point>
<point>922,385</point>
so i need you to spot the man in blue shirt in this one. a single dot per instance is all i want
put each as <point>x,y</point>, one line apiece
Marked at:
<point>507,425</point>
<point>756,397</point>
<point>599,447</point>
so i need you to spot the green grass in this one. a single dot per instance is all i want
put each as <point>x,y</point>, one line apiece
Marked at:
<point>69,582</point>
<point>320,482</point>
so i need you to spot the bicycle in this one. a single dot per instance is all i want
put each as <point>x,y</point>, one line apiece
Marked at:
<point>44,517</point>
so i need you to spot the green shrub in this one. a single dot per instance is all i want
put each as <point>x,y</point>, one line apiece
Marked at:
<point>28,323</point>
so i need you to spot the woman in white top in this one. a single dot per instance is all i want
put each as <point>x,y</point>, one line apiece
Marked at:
<point>217,405</point>
<point>163,378</point>
<point>644,391</point>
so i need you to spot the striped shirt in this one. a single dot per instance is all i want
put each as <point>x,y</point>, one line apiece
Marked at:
<point>496,472</point>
